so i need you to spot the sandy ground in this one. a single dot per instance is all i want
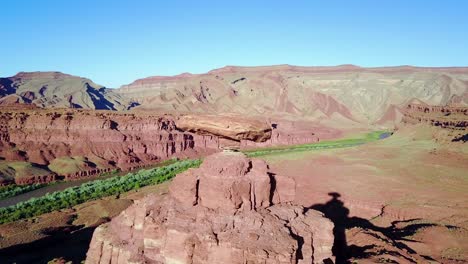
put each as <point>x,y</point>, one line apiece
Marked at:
<point>405,191</point>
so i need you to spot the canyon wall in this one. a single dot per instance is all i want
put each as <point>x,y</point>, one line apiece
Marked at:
<point>447,124</point>
<point>41,145</point>
<point>442,116</point>
<point>78,143</point>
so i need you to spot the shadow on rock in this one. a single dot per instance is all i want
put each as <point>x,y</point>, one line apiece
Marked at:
<point>335,210</point>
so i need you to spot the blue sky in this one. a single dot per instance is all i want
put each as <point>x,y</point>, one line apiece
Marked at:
<point>115,42</point>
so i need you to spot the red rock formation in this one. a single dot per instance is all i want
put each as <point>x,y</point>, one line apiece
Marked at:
<point>437,109</point>
<point>123,138</point>
<point>442,116</point>
<point>231,127</point>
<point>105,139</point>
<point>230,210</point>
<point>82,143</point>
<point>448,124</point>
<point>36,179</point>
<point>85,173</point>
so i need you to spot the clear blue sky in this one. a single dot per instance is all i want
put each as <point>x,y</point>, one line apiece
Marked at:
<point>115,42</point>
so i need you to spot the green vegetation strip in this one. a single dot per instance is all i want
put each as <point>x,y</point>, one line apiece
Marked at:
<point>341,143</point>
<point>93,190</point>
<point>13,190</point>
<point>120,184</point>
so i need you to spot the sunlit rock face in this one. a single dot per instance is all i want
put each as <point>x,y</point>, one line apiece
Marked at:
<point>81,143</point>
<point>342,95</point>
<point>230,210</point>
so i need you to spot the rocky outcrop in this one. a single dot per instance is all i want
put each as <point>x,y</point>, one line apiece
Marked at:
<point>448,123</point>
<point>441,116</point>
<point>293,133</point>
<point>280,138</point>
<point>230,210</point>
<point>232,127</point>
<point>423,108</point>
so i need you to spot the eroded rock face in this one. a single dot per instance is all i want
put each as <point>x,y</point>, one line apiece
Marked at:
<point>286,132</point>
<point>230,210</point>
<point>447,123</point>
<point>231,127</point>
<point>343,94</point>
<point>80,143</point>
<point>56,89</point>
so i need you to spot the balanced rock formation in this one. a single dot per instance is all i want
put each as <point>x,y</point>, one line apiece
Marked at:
<point>232,127</point>
<point>230,210</point>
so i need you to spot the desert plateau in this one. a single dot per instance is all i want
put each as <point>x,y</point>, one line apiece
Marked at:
<point>125,139</point>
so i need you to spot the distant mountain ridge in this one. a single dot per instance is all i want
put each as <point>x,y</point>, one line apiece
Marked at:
<point>56,89</point>
<point>344,94</point>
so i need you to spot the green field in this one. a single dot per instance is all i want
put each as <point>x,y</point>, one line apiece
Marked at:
<point>340,143</point>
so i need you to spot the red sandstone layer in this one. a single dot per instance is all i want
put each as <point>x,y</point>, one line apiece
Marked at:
<point>230,210</point>
<point>80,143</point>
<point>450,122</point>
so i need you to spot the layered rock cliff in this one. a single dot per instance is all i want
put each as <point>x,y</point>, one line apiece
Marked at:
<point>230,210</point>
<point>78,143</point>
<point>447,123</point>
<point>343,95</point>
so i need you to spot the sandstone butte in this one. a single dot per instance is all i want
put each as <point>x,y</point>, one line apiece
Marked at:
<point>230,210</point>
